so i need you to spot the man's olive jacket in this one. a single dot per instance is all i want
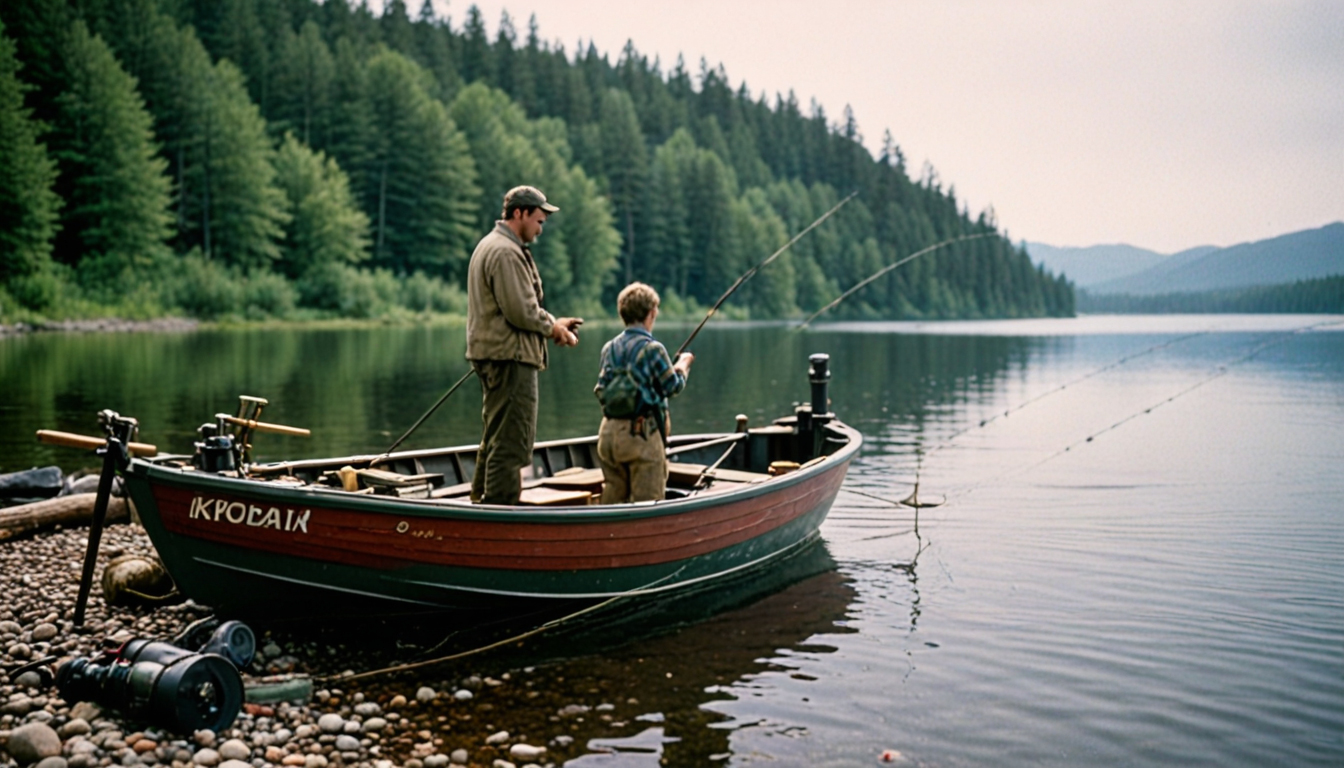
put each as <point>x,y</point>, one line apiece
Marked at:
<point>505,320</point>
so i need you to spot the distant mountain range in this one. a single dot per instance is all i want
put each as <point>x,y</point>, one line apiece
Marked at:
<point>1114,269</point>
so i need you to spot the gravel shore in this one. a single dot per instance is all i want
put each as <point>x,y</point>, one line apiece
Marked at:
<point>103,325</point>
<point>444,716</point>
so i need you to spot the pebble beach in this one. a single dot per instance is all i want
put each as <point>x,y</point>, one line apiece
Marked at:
<point>442,716</point>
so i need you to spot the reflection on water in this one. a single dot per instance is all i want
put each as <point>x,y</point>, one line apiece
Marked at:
<point>1169,592</point>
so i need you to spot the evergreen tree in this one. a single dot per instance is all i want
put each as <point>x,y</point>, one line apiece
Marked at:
<point>304,81</point>
<point>420,181</point>
<point>325,225</point>
<point>118,201</point>
<point>625,164</point>
<point>578,252</point>
<point>240,211</point>
<point>28,206</point>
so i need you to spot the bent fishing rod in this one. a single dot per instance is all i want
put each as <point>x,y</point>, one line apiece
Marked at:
<point>887,269</point>
<point>747,275</point>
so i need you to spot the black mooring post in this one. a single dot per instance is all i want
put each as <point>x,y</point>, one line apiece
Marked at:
<point>113,456</point>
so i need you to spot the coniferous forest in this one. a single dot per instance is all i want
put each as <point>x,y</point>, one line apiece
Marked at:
<point>291,159</point>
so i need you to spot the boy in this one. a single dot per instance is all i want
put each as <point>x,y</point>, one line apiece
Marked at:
<point>634,382</point>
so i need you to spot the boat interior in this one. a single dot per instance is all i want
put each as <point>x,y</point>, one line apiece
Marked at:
<point>565,472</point>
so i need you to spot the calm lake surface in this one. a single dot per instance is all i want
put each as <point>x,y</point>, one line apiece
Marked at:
<point>1139,561</point>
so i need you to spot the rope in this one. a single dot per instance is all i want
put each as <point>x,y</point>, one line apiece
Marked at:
<point>499,643</point>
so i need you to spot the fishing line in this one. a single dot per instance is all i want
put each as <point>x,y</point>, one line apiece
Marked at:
<point>1222,370</point>
<point>748,274</point>
<point>946,442</point>
<point>887,269</point>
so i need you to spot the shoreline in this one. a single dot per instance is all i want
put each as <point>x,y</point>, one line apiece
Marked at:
<point>489,714</point>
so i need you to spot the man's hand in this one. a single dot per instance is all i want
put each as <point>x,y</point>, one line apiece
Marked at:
<point>683,363</point>
<point>564,331</point>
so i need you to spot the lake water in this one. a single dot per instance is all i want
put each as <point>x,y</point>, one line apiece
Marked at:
<point>1138,561</point>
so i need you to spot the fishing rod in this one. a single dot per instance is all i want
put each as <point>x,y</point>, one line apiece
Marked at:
<point>887,269</point>
<point>428,413</point>
<point>747,275</point>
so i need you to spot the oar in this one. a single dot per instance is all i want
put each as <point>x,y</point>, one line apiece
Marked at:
<point>887,269</point>
<point>428,413</point>
<point>747,275</point>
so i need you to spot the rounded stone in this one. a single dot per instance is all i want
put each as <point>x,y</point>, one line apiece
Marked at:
<point>498,738</point>
<point>314,761</point>
<point>235,749</point>
<point>425,694</point>
<point>33,742</point>
<point>235,764</point>
<point>55,761</point>
<point>460,756</point>
<point>76,727</point>
<point>347,743</point>
<point>29,679</point>
<point>397,701</point>
<point>204,737</point>
<point>142,746</point>
<point>368,709</point>
<point>206,757</point>
<point>331,723</point>
<point>436,761</point>
<point>44,632</point>
<point>526,752</point>
<point>292,760</point>
<point>374,724</point>
<point>352,726</point>
<point>463,694</point>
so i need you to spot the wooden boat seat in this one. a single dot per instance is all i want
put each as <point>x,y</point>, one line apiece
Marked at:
<point>679,474</point>
<point>554,497</point>
<point>577,479</point>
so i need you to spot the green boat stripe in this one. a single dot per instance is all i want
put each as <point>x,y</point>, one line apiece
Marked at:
<point>318,585</point>
<point>627,593</point>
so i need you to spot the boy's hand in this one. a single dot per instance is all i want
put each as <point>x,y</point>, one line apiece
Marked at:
<point>683,363</point>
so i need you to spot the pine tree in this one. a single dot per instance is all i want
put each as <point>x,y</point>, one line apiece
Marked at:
<point>304,80</point>
<point>28,206</point>
<point>117,208</point>
<point>420,181</point>
<point>625,164</point>
<point>241,213</point>
<point>325,225</point>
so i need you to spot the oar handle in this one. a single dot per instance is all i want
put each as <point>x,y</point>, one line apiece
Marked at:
<point>261,426</point>
<point>87,442</point>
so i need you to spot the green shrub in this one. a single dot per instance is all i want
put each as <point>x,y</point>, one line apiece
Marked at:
<point>267,294</point>
<point>202,288</point>
<point>39,291</point>
<point>422,293</point>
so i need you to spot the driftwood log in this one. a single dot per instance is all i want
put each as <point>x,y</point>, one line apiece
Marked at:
<point>75,509</point>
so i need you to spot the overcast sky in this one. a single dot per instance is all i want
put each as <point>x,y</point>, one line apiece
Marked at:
<point>1165,124</point>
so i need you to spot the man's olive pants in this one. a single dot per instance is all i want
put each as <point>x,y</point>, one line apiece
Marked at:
<point>509,428</point>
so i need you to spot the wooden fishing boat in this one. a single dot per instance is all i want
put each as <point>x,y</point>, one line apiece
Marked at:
<point>339,536</point>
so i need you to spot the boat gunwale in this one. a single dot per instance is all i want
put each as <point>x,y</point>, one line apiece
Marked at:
<point>154,472</point>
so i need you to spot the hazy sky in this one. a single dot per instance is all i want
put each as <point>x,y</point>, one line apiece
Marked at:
<point>1165,124</point>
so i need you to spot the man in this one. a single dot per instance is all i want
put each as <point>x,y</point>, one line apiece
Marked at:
<point>634,382</point>
<point>507,329</point>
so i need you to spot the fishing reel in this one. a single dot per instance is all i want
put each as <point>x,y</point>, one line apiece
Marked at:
<point>160,683</point>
